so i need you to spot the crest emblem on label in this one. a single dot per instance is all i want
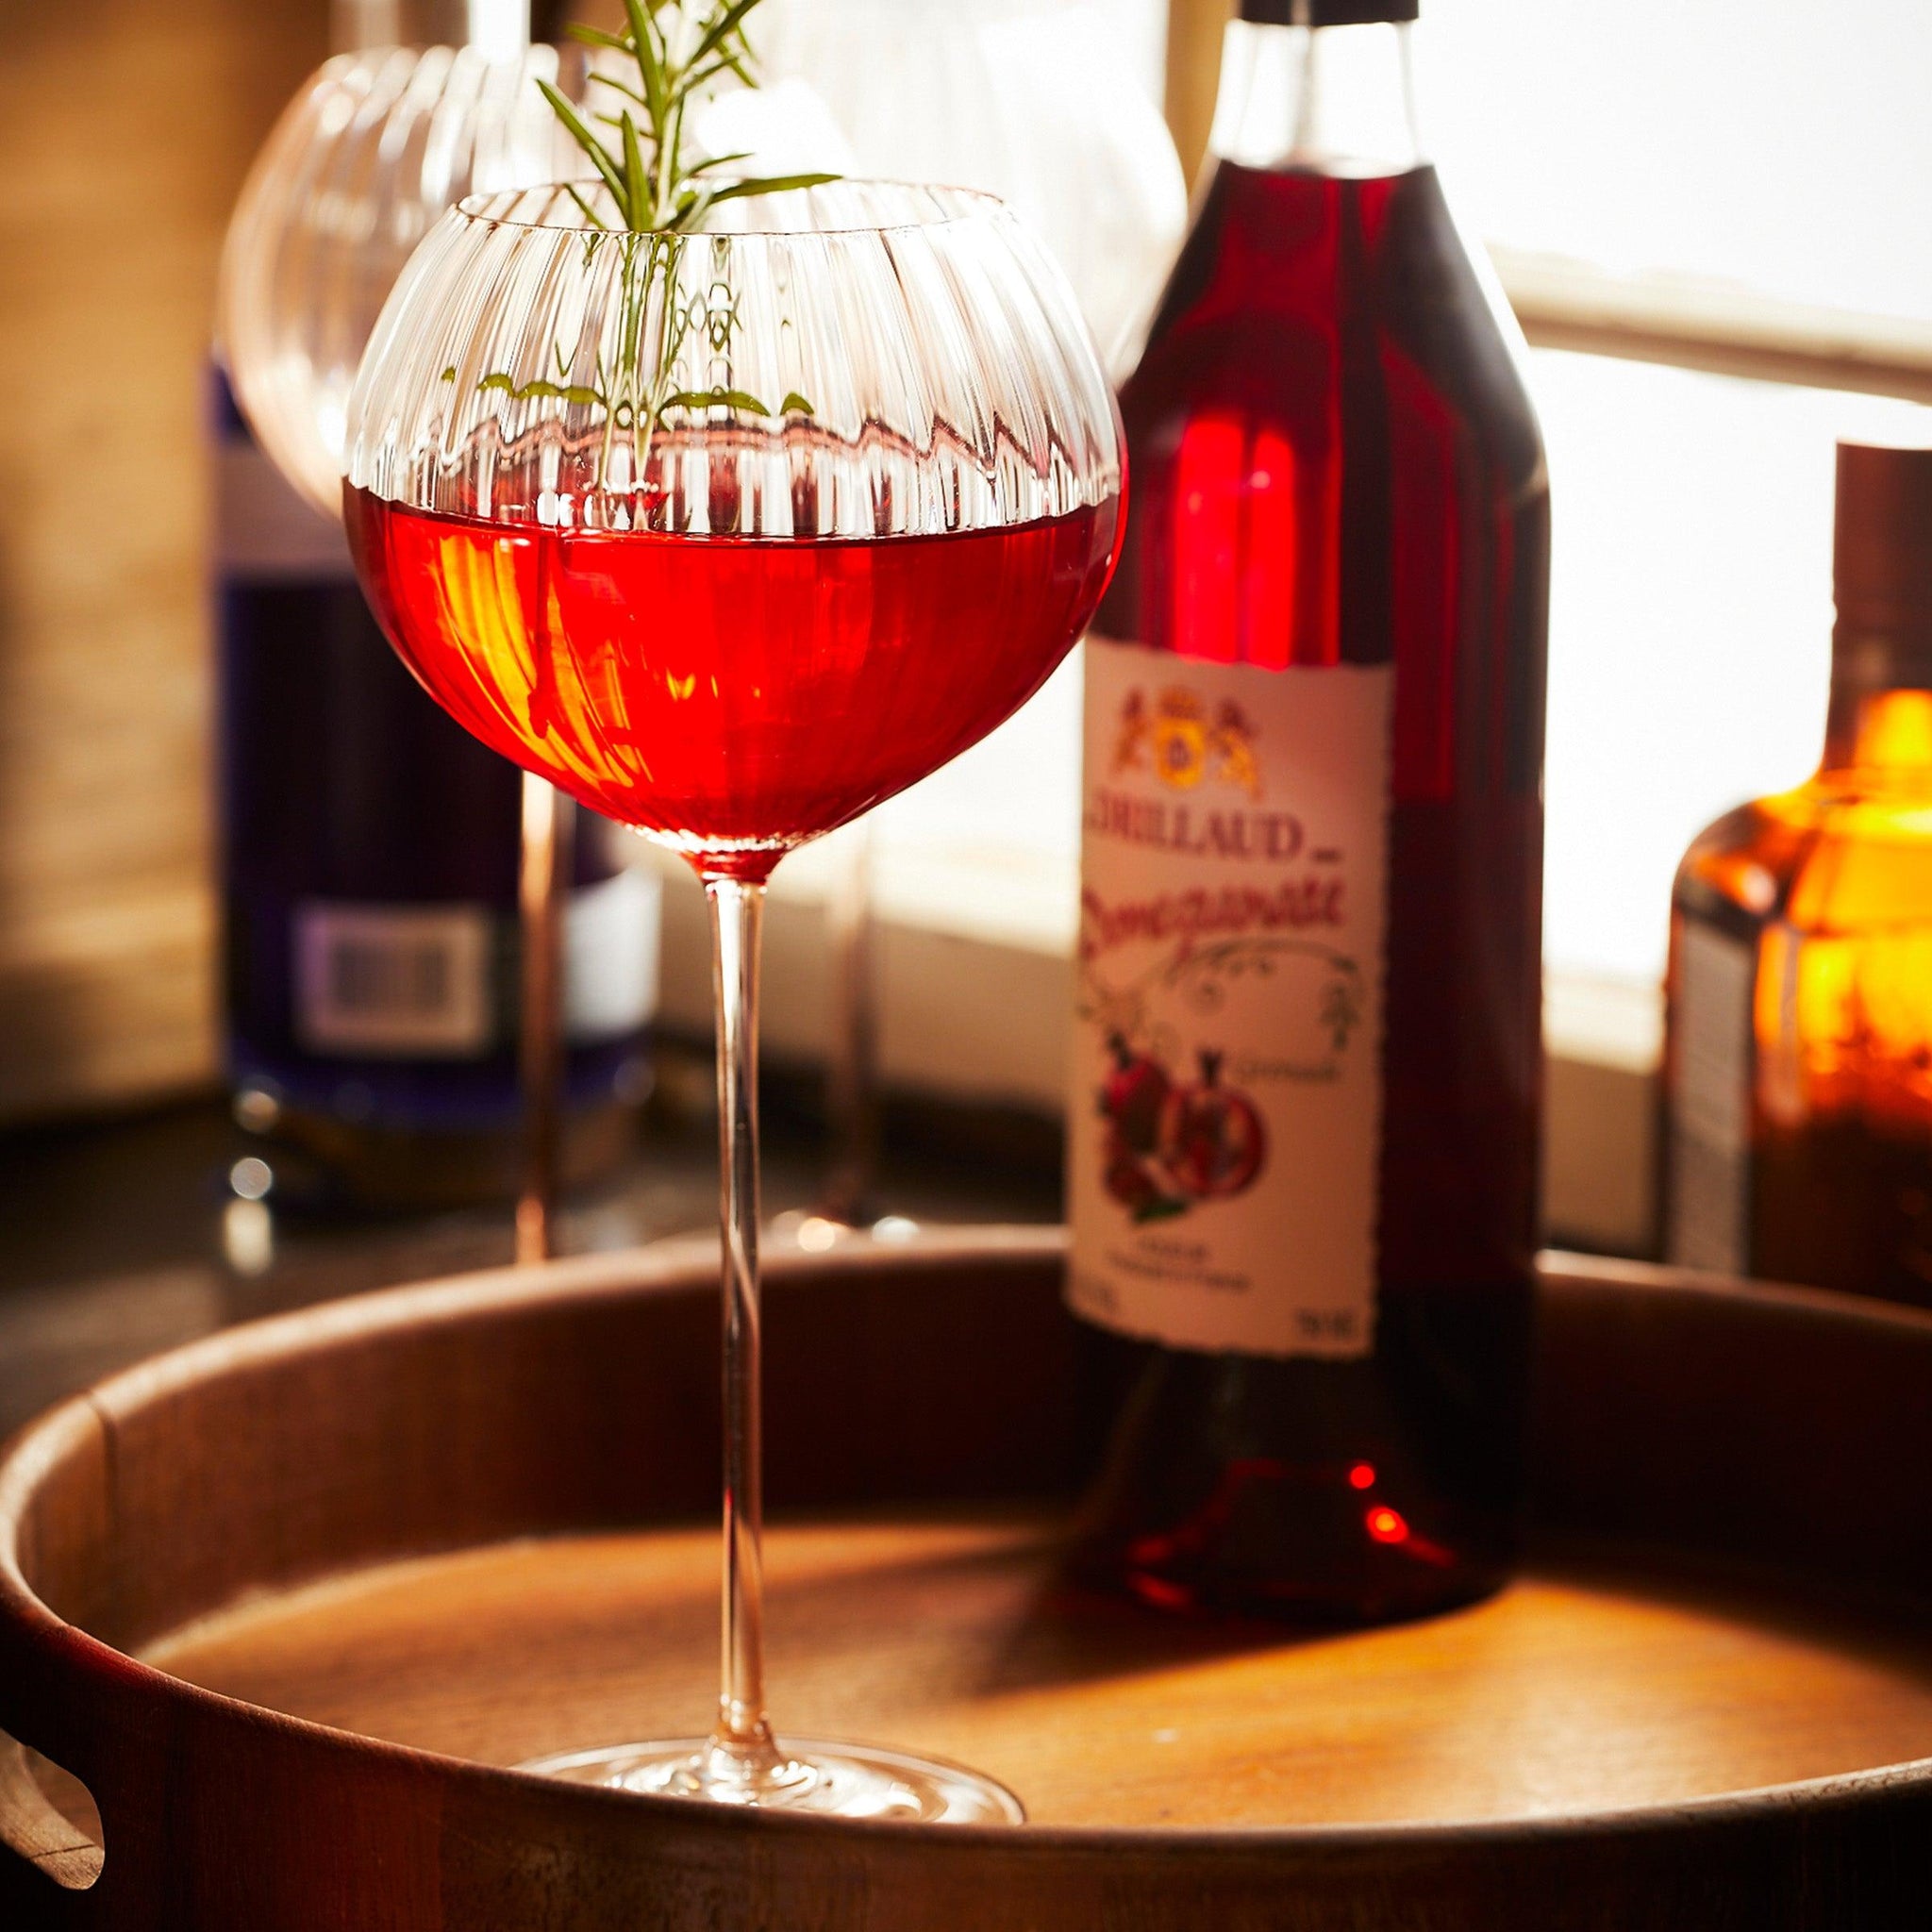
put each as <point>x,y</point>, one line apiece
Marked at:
<point>1177,741</point>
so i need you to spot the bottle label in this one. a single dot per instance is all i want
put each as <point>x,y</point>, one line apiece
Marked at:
<point>1225,1136</point>
<point>1710,1104</point>
<point>419,982</point>
<point>394,982</point>
<point>611,957</point>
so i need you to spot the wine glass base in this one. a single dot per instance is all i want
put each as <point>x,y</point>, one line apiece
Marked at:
<point>842,1780</point>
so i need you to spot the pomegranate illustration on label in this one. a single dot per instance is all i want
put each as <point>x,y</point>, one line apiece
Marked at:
<point>1133,1103</point>
<point>1167,1147</point>
<point>1212,1141</point>
<point>1130,1183</point>
<point>1136,1092</point>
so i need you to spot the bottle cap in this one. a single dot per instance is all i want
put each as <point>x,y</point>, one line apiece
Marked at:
<point>1882,546</point>
<point>1325,12</point>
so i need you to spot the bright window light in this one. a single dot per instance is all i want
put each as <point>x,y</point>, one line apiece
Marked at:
<point>1689,625</point>
<point>1782,146</point>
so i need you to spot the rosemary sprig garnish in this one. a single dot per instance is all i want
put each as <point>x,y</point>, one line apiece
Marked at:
<point>679,48</point>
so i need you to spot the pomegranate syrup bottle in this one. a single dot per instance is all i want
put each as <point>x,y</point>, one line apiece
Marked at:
<point>1303,1137</point>
<point>1797,1103</point>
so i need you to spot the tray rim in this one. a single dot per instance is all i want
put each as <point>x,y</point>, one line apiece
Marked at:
<point>671,1268</point>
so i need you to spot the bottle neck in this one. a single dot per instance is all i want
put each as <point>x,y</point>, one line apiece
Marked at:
<point>1337,100</point>
<point>1880,719</point>
<point>498,30</point>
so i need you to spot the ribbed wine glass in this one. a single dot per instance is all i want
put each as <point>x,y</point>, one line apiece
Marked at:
<point>733,534</point>
<point>365,159</point>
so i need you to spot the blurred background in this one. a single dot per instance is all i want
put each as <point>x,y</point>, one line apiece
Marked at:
<point>1710,219</point>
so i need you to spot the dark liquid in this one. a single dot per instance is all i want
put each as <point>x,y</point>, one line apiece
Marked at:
<point>733,695</point>
<point>1334,326</point>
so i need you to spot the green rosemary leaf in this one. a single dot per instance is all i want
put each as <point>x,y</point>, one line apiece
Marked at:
<point>771,184</point>
<point>693,204</point>
<point>542,390</point>
<point>656,103</point>
<point>720,30</point>
<point>724,63</point>
<point>697,167</point>
<point>597,37</point>
<point>653,9</point>
<point>795,405</point>
<point>622,87</point>
<point>720,398</point>
<point>638,181</point>
<point>652,70</point>
<point>591,214</point>
<point>643,29</point>
<point>449,375</point>
<point>585,140</point>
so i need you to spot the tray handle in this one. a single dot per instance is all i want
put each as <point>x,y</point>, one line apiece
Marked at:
<point>55,1862</point>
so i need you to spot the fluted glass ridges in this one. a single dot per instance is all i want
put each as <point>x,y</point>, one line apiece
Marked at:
<point>857,359</point>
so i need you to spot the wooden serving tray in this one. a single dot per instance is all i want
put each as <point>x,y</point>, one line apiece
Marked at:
<point>289,1599</point>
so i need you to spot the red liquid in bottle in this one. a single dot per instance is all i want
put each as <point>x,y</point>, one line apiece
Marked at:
<point>733,694</point>
<point>1335,464</point>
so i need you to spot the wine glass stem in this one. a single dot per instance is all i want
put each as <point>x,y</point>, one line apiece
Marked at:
<point>743,1736</point>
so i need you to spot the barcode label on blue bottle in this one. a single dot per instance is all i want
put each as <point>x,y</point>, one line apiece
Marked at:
<point>611,957</point>
<point>394,982</point>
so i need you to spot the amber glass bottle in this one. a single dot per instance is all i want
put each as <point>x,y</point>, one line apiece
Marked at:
<point>1303,1139</point>
<point>1798,1066</point>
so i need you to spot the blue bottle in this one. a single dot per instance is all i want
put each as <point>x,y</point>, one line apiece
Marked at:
<point>367,879</point>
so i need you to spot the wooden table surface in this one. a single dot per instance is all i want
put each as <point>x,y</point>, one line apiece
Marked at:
<point>1579,1689</point>
<point>470,1521</point>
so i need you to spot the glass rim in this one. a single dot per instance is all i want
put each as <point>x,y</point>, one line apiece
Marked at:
<point>978,205</point>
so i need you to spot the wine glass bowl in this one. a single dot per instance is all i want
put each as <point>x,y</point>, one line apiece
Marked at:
<point>734,535</point>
